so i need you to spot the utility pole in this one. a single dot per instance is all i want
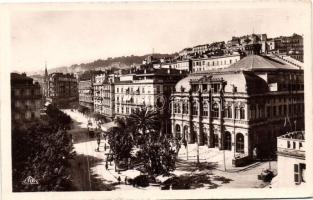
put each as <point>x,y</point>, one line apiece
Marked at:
<point>198,162</point>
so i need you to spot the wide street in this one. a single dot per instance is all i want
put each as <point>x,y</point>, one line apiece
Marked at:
<point>89,172</point>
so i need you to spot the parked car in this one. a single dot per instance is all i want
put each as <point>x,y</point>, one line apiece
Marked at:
<point>266,175</point>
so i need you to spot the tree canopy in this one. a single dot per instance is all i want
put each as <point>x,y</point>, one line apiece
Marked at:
<point>42,149</point>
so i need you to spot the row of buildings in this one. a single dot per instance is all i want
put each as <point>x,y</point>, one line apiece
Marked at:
<point>231,102</point>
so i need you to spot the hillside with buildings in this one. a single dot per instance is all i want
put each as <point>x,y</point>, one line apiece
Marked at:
<point>123,62</point>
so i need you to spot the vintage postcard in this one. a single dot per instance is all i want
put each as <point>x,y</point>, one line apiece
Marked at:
<point>156,100</point>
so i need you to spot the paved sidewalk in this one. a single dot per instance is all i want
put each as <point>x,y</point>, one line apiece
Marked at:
<point>212,156</point>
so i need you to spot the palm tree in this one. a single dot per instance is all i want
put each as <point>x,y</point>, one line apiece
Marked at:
<point>120,139</point>
<point>144,121</point>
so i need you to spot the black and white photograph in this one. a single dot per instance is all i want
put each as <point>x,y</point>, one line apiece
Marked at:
<point>156,100</point>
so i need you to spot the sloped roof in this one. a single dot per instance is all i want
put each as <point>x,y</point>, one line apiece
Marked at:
<point>256,62</point>
<point>244,81</point>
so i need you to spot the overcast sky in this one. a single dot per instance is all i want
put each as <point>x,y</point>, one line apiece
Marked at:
<point>71,37</point>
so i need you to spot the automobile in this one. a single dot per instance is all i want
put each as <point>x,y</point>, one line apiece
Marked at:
<point>266,175</point>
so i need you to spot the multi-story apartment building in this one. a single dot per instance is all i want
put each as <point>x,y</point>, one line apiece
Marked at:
<point>85,93</point>
<point>61,89</point>
<point>241,107</point>
<point>239,43</point>
<point>178,64</point>
<point>26,98</point>
<point>104,101</point>
<point>185,52</point>
<point>214,62</point>
<point>291,164</point>
<point>288,45</point>
<point>85,89</point>
<point>149,88</point>
<point>200,49</point>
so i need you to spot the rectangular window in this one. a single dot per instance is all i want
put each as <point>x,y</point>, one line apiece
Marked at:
<point>296,174</point>
<point>17,92</point>
<point>274,111</point>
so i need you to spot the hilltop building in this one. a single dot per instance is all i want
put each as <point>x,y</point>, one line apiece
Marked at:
<point>287,45</point>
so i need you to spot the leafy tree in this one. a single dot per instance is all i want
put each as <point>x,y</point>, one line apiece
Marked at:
<point>42,151</point>
<point>57,118</point>
<point>120,139</point>
<point>158,155</point>
<point>157,150</point>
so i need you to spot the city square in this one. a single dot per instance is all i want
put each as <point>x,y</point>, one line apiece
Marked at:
<point>159,100</point>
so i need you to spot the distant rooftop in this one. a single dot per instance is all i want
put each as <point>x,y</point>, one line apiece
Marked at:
<point>256,62</point>
<point>297,135</point>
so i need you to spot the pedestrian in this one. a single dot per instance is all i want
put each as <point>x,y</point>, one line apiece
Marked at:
<point>106,165</point>
<point>119,180</point>
<point>98,141</point>
<point>105,146</point>
<point>125,180</point>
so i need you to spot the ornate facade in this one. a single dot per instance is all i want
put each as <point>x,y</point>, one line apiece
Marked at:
<point>240,108</point>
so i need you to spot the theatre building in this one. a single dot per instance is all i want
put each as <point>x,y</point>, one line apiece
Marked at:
<point>242,108</point>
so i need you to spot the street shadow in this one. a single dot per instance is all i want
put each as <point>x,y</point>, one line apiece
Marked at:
<point>193,166</point>
<point>84,179</point>
<point>194,181</point>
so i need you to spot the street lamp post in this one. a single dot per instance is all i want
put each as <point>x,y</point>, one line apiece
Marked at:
<point>198,162</point>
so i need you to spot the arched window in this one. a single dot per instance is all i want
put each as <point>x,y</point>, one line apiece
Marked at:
<point>215,110</point>
<point>195,108</point>
<point>239,143</point>
<point>237,113</point>
<point>228,112</point>
<point>205,109</point>
<point>175,107</point>
<point>178,132</point>
<point>185,107</point>
<point>242,113</point>
<point>178,108</point>
<point>253,111</point>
